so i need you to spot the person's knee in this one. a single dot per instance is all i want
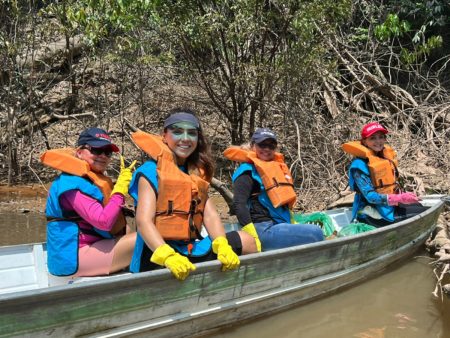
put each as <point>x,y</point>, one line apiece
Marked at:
<point>132,238</point>
<point>248,243</point>
<point>315,232</point>
<point>318,234</point>
<point>241,242</point>
<point>125,245</point>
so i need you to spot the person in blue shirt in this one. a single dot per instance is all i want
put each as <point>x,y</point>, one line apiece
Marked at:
<point>373,175</point>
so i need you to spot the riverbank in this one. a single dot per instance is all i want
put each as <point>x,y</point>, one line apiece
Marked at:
<point>23,198</point>
<point>32,199</point>
<point>439,247</point>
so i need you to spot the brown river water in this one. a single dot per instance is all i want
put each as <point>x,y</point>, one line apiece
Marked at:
<point>396,304</point>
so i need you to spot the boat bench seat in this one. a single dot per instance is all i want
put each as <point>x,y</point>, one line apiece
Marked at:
<point>22,268</point>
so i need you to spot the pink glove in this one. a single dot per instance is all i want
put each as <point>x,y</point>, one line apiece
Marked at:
<point>405,198</point>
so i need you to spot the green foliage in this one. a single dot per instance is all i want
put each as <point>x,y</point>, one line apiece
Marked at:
<point>237,50</point>
<point>10,16</point>
<point>423,13</point>
<point>100,19</point>
<point>427,24</point>
<point>240,50</point>
<point>391,27</point>
<point>359,34</point>
<point>422,50</point>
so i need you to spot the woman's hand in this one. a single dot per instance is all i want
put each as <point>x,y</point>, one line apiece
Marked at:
<point>405,198</point>
<point>225,254</point>
<point>179,265</point>
<point>124,179</point>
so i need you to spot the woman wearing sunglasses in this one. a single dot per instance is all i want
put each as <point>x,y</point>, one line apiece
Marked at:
<point>171,197</point>
<point>86,226</point>
<point>373,175</point>
<point>264,195</point>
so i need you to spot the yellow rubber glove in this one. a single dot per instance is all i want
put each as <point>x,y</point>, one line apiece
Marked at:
<point>250,229</point>
<point>124,178</point>
<point>179,265</point>
<point>293,221</point>
<point>225,254</point>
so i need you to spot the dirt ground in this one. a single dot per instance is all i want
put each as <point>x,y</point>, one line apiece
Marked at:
<point>23,198</point>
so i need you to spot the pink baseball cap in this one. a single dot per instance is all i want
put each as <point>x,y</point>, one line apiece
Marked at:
<point>371,128</point>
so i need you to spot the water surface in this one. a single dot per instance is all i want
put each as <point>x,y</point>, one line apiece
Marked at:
<point>19,228</point>
<point>397,304</point>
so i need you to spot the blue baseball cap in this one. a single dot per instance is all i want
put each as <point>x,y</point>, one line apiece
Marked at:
<point>181,117</point>
<point>96,138</point>
<point>262,134</point>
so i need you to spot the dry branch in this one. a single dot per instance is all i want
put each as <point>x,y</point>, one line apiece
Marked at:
<point>222,188</point>
<point>73,116</point>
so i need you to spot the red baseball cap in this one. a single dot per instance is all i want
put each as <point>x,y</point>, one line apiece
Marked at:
<point>371,128</point>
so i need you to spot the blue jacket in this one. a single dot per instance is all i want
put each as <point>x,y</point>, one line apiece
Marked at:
<point>62,232</point>
<point>141,254</point>
<point>280,214</point>
<point>386,211</point>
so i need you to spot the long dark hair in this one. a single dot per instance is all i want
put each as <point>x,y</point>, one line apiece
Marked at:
<point>201,158</point>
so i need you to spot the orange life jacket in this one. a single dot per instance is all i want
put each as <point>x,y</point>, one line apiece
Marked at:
<point>64,160</point>
<point>383,170</point>
<point>181,197</point>
<point>275,175</point>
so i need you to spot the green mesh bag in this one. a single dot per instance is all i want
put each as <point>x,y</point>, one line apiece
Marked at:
<point>319,218</point>
<point>355,228</point>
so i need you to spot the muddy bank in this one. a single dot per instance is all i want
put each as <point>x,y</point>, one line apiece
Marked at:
<point>439,248</point>
<point>23,198</point>
<point>32,199</point>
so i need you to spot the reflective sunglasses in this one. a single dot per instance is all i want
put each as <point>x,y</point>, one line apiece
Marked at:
<point>98,151</point>
<point>183,133</point>
<point>267,145</point>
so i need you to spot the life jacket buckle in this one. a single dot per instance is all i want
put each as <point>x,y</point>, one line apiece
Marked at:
<point>276,184</point>
<point>170,208</point>
<point>194,204</point>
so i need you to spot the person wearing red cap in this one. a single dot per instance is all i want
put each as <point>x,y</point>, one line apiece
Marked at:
<point>86,225</point>
<point>373,175</point>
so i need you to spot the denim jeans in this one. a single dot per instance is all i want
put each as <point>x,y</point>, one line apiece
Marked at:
<point>282,235</point>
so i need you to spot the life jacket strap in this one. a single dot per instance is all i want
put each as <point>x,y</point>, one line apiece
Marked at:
<point>193,228</point>
<point>90,232</point>
<point>278,184</point>
<point>381,185</point>
<point>171,212</point>
<point>192,211</point>
<point>59,219</point>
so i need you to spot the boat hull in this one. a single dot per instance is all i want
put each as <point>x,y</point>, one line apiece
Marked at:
<point>154,303</point>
